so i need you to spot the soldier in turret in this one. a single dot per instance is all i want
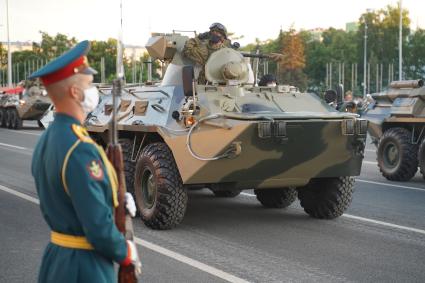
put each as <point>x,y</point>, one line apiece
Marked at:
<point>200,48</point>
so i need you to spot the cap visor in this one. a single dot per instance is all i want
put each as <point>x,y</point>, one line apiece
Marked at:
<point>89,71</point>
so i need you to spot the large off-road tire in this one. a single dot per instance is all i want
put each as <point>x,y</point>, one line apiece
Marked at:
<point>396,155</point>
<point>326,198</point>
<point>129,166</point>
<point>9,118</point>
<point>15,122</point>
<point>421,158</point>
<point>160,195</point>
<point>276,198</point>
<point>227,194</point>
<point>2,117</point>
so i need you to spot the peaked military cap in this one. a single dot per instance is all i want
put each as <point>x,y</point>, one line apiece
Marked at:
<point>72,62</point>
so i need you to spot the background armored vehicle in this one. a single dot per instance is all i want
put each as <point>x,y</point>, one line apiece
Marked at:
<point>396,126</point>
<point>230,135</point>
<point>32,104</point>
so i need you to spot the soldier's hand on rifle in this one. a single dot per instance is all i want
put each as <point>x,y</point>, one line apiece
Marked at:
<point>130,205</point>
<point>132,257</point>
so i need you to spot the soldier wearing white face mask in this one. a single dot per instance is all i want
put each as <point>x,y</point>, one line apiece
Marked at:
<point>75,181</point>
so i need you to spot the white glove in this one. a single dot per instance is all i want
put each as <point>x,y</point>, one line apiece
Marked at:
<point>130,205</point>
<point>133,257</point>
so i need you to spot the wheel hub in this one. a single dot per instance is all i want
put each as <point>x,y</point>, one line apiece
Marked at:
<point>148,189</point>
<point>391,155</point>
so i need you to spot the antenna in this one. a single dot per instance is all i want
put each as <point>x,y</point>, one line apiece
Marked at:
<point>120,65</point>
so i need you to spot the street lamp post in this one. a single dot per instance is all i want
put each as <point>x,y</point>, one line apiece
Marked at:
<point>400,50</point>
<point>9,53</point>
<point>365,58</point>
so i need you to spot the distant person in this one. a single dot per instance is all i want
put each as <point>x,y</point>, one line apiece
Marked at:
<point>200,48</point>
<point>348,96</point>
<point>268,80</point>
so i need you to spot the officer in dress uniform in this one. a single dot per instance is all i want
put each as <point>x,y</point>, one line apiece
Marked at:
<point>76,184</point>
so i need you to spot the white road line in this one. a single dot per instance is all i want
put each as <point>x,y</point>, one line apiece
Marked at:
<point>15,146</point>
<point>382,223</point>
<point>19,194</point>
<point>420,231</point>
<point>26,133</point>
<point>194,263</point>
<point>370,162</point>
<point>390,185</point>
<point>151,246</point>
<point>370,150</point>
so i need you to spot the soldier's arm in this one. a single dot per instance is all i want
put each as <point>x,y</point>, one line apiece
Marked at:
<point>193,51</point>
<point>88,189</point>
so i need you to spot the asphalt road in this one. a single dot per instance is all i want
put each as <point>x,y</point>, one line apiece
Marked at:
<point>380,238</point>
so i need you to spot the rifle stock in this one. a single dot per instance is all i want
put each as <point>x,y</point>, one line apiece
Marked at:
<point>126,274</point>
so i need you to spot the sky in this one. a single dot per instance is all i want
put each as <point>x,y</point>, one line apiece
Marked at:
<point>99,19</point>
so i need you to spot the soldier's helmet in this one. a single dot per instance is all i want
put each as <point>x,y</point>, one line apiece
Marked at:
<point>219,28</point>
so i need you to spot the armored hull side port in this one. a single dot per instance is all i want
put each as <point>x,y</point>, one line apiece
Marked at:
<point>230,135</point>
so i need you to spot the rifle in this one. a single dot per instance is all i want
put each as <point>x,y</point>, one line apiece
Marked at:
<point>126,274</point>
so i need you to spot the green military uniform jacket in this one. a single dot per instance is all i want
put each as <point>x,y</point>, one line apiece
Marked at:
<point>199,50</point>
<point>74,188</point>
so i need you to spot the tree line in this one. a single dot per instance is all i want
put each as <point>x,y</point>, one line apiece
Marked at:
<point>27,61</point>
<point>307,53</point>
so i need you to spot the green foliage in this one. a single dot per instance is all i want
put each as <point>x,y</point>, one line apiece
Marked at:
<point>338,46</point>
<point>50,47</point>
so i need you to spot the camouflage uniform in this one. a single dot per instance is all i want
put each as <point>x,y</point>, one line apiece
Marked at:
<point>199,50</point>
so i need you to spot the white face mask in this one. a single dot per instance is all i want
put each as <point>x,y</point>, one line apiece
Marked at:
<point>271,84</point>
<point>91,99</point>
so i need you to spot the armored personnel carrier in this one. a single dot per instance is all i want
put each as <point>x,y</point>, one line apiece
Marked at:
<point>32,104</point>
<point>230,135</point>
<point>396,126</point>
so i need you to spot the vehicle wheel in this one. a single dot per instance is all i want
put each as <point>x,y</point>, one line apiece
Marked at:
<point>276,198</point>
<point>326,198</point>
<point>2,117</point>
<point>160,195</point>
<point>227,194</point>
<point>10,117</point>
<point>396,155</point>
<point>129,166</point>
<point>17,122</point>
<point>421,158</point>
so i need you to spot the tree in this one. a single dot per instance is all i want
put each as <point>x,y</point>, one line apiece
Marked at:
<point>415,61</point>
<point>293,63</point>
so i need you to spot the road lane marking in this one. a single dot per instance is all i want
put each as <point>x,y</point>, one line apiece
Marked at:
<point>194,263</point>
<point>19,194</point>
<point>151,246</point>
<point>370,162</point>
<point>382,223</point>
<point>370,150</point>
<point>14,146</point>
<point>26,133</point>
<point>390,185</point>
<point>400,227</point>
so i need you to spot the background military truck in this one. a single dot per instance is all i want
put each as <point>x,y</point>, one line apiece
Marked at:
<point>230,135</point>
<point>396,126</point>
<point>31,104</point>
